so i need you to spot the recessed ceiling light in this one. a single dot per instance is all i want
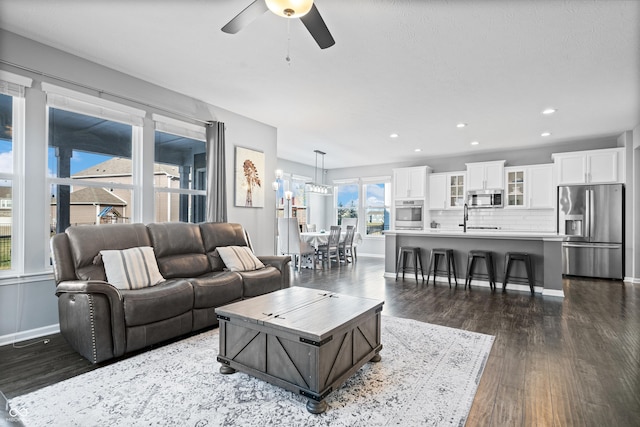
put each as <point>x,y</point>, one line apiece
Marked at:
<point>417,150</point>
<point>474,143</point>
<point>549,111</point>
<point>393,135</point>
<point>461,125</point>
<point>545,134</point>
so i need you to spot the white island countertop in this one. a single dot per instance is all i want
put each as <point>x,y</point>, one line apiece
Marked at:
<point>481,234</point>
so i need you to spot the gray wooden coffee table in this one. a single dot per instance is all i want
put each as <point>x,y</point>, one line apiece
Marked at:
<point>304,340</point>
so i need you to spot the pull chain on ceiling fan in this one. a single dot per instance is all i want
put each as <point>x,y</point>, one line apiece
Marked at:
<point>306,10</point>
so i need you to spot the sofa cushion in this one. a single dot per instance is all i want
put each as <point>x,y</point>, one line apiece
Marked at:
<point>215,234</point>
<point>216,289</point>
<point>163,301</point>
<point>260,282</point>
<point>86,241</point>
<point>239,258</point>
<point>179,249</point>
<point>132,268</point>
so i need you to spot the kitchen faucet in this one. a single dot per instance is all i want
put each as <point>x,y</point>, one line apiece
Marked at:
<point>465,217</point>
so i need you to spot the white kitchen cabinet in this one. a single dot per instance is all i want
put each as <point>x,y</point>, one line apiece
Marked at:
<point>438,191</point>
<point>485,175</point>
<point>410,183</point>
<point>541,189</point>
<point>590,167</point>
<point>529,187</point>
<point>447,190</point>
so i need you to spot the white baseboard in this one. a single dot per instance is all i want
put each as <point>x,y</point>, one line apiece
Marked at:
<point>29,335</point>
<point>485,284</point>
<point>634,280</point>
<point>372,255</point>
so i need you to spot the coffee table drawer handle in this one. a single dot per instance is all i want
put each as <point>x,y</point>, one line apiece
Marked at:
<point>316,343</point>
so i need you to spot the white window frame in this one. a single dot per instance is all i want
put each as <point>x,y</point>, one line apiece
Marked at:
<point>350,181</point>
<point>14,85</point>
<point>17,184</point>
<point>187,130</point>
<point>81,103</point>
<point>365,206</point>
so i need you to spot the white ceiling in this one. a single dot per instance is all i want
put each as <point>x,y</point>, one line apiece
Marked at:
<point>415,68</point>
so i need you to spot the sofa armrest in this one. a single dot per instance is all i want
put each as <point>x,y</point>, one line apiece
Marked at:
<point>112,294</point>
<point>281,263</point>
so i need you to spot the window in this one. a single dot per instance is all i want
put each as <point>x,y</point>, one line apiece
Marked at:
<point>12,148</point>
<point>6,181</point>
<point>347,201</point>
<point>91,170</point>
<point>180,171</point>
<point>377,207</point>
<point>91,158</point>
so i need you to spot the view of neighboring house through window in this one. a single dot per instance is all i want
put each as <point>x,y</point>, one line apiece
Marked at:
<point>180,176</point>
<point>6,180</point>
<point>90,169</point>
<point>377,207</point>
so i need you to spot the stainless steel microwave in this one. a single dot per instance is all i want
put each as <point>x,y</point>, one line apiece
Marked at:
<point>409,214</point>
<point>485,199</point>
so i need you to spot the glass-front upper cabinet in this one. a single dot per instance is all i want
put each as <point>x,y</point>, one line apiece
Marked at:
<point>456,190</point>
<point>515,188</point>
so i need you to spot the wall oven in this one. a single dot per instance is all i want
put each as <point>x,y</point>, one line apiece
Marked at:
<point>409,215</point>
<point>485,199</point>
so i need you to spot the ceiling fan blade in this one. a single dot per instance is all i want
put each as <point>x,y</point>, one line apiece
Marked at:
<point>318,29</point>
<point>246,17</point>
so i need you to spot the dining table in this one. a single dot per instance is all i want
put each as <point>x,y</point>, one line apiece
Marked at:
<point>317,238</point>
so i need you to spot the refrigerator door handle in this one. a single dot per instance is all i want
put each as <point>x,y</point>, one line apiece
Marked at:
<point>588,213</point>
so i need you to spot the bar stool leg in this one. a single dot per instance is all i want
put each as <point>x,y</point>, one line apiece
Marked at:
<point>429,270</point>
<point>421,265</point>
<point>470,261</point>
<point>455,273</point>
<point>507,268</point>
<point>488,262</point>
<point>397,263</point>
<point>448,261</point>
<point>415,264</point>
<point>530,273</point>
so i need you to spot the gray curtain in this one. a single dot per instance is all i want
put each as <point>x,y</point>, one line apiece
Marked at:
<point>216,176</point>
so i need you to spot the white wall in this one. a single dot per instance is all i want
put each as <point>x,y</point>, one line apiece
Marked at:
<point>28,304</point>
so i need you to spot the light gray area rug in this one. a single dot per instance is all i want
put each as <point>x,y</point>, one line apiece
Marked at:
<point>428,376</point>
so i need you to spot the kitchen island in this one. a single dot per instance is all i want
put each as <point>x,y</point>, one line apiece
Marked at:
<point>545,250</point>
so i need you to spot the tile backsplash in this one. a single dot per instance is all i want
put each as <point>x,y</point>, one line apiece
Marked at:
<point>543,220</point>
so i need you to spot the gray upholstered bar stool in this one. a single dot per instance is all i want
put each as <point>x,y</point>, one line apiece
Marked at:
<point>409,252</point>
<point>488,259</point>
<point>447,254</point>
<point>509,257</point>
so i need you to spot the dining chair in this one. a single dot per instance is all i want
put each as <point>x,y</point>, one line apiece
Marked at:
<point>345,222</point>
<point>345,247</point>
<point>310,228</point>
<point>292,244</point>
<point>330,250</point>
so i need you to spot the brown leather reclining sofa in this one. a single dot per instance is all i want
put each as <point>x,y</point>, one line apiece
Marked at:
<point>101,321</point>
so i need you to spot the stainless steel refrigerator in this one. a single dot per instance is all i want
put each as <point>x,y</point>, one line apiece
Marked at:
<point>592,218</point>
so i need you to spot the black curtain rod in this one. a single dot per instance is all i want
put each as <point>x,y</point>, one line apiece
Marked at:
<point>101,92</point>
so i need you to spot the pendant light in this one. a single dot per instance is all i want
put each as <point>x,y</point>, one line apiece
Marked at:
<point>315,187</point>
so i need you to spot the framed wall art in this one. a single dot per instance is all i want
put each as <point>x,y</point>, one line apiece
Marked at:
<point>249,175</point>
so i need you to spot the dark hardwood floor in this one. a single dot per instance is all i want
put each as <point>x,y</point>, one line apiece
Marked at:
<point>555,362</point>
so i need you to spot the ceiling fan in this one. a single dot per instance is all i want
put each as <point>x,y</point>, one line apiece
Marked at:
<point>303,9</point>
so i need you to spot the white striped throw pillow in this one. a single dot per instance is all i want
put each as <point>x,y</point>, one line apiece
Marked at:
<point>133,268</point>
<point>239,258</point>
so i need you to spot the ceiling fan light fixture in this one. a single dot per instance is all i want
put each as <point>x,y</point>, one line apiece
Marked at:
<point>290,8</point>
